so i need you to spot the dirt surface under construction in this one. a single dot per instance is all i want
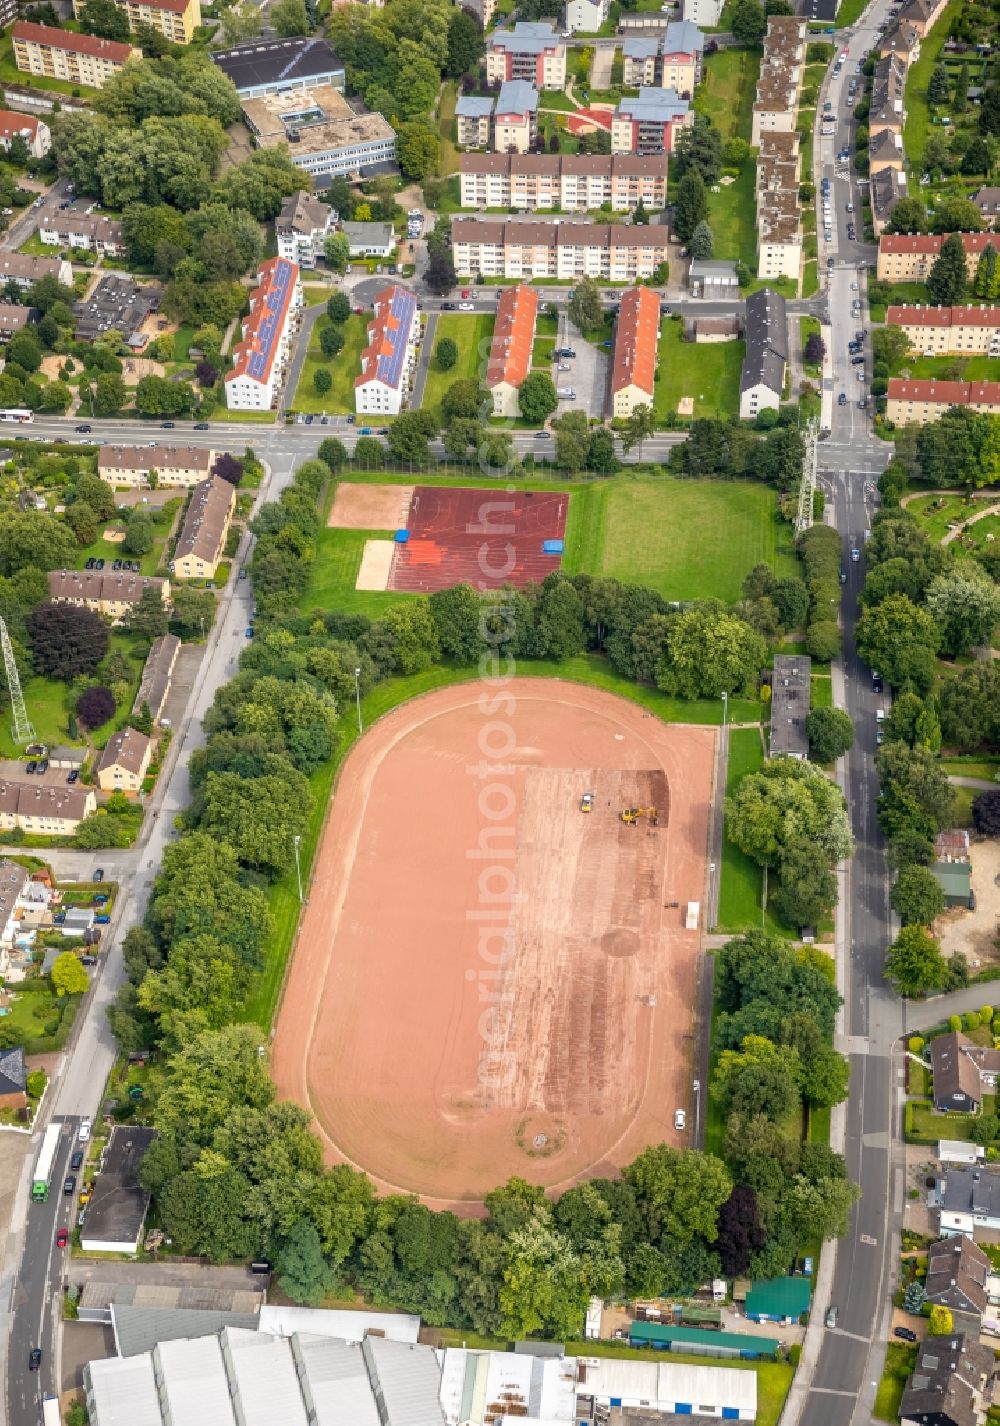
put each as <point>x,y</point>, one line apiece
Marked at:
<point>488,981</point>
<point>370,507</point>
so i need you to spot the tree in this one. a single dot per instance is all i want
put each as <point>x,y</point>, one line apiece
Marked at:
<point>419,148</point>
<point>302,1271</point>
<point>331,341</point>
<point>815,349</point>
<point>138,539</point>
<point>691,203</point>
<point>939,86</point>
<point>987,279</point>
<point>585,309</point>
<point>900,640</point>
<point>95,706</point>
<point>916,897</point>
<point>439,275</point>
<point>747,22</point>
<point>289,18</point>
<point>955,214</point>
<point>337,252</point>
<point>149,615</point>
<point>908,216</point>
<point>104,18</point>
<point>914,1297</point>
<point>322,381</point>
<point>681,1190</point>
<point>916,798</point>
<point>965,603</point>
<point>110,394</point>
<point>68,976</point>
<point>465,43</point>
<point>977,159</point>
<point>258,817</point>
<point>986,814</point>
<point>409,434</point>
<point>830,733</point>
<point>961,95</point>
<point>946,280</point>
<point>914,963</point>
<point>709,652</point>
<point>65,640</point>
<point>702,242</point>
<point>890,345</point>
<point>601,455</point>
<point>338,307</point>
<point>940,1323</point>
<point>192,611</point>
<point>785,805</point>
<point>241,22</point>
<point>537,397</point>
<point>740,1231</point>
<point>446,353</point>
<point>333,453</point>
<point>25,350</point>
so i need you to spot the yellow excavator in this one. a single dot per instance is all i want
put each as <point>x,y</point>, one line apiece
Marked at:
<point>631,815</point>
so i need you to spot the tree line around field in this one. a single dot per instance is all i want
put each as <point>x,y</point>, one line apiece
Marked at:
<point>236,1175</point>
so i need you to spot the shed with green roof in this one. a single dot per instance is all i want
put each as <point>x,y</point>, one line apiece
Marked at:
<point>700,1341</point>
<point>779,1299</point>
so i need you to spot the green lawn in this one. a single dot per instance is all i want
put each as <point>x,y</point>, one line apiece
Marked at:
<point>822,691</point>
<point>732,215</point>
<point>109,550</point>
<point>343,368</point>
<point>929,1126</point>
<point>899,1364</point>
<point>10,74</point>
<point>707,371</point>
<point>810,278</point>
<point>726,92</point>
<point>742,879</point>
<point>985,768</point>
<point>335,571</point>
<point>917,121</point>
<point>448,130</point>
<point>937,514</point>
<point>472,335</point>
<point>689,539</point>
<point>809,326</point>
<point>948,368</point>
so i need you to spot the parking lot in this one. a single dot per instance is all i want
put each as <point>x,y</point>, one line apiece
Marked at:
<point>14,769</point>
<point>586,374</point>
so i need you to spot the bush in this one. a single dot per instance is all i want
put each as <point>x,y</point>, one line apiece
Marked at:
<point>970,1020</point>
<point>986,1014</point>
<point>322,381</point>
<point>95,706</point>
<point>954,1022</point>
<point>915,1044</point>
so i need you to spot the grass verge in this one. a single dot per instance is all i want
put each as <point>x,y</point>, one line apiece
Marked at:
<point>899,1364</point>
<point>471,335</point>
<point>343,368</point>
<point>742,883</point>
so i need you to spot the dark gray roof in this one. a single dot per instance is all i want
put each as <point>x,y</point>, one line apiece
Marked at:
<point>949,1371</point>
<point>790,690</point>
<point>970,1189</point>
<point>957,1269</point>
<point>13,1071</point>
<point>766,329</point>
<point>139,1329</point>
<point>887,187</point>
<point>117,1210</point>
<point>276,61</point>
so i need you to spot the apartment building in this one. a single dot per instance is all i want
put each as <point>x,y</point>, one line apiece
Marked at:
<point>177,20</point>
<point>888,90</point>
<point>532,51</point>
<point>201,543</point>
<point>26,270</point>
<point>515,122</point>
<point>779,214</point>
<point>705,13</point>
<point>564,250</point>
<point>914,403</point>
<point>35,132</point>
<point>681,54</point>
<point>124,761</point>
<point>949,331</point>
<point>571,182</point>
<point>510,351</point>
<point>902,42</point>
<point>762,380</point>
<point>129,467</point>
<point>85,231</point>
<point>108,592</point>
<point>157,676</point>
<point>12,319</point>
<point>923,15</point>
<point>323,134</point>
<point>776,105</point>
<point>633,366</point>
<point>640,61</point>
<point>44,809</point>
<point>302,228</point>
<point>909,257</point>
<point>885,190</point>
<point>586,16</point>
<point>474,121</point>
<point>885,150</point>
<point>62,54</point>
<point>647,123</point>
<point>390,358</point>
<point>260,355</point>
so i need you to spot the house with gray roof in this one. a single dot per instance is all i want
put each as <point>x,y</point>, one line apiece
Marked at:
<point>957,1274</point>
<point>968,1197</point>
<point>13,1079</point>
<point>474,118</point>
<point>952,1383</point>
<point>762,380</point>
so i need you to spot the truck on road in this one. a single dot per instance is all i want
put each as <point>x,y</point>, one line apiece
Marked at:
<point>46,1160</point>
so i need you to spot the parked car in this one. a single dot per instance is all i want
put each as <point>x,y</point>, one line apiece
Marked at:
<point>102,920</point>
<point>101,899</point>
<point>76,1161</point>
<point>905,1333</point>
<point>83,1133</point>
<point>831,1316</point>
<point>31,768</point>
<point>680,1118</point>
<point>69,1184</point>
<point>466,307</point>
<point>88,960</point>
<point>62,1238</point>
<point>249,631</point>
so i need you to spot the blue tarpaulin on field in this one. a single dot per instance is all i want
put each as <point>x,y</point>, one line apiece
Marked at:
<point>402,536</point>
<point>552,547</point>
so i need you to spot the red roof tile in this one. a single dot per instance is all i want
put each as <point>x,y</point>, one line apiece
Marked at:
<point>636,336</point>
<point>513,336</point>
<point>110,50</point>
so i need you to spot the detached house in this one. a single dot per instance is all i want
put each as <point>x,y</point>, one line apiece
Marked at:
<point>963,1073</point>
<point>952,1383</point>
<point>969,1198</point>
<point>13,1079</point>
<point>124,761</point>
<point>957,1275</point>
<point>302,227</point>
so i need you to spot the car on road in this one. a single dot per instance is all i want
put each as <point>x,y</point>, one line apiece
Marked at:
<point>831,1316</point>
<point>680,1119</point>
<point>905,1333</point>
<point>877,684</point>
<point>249,631</point>
<point>76,1160</point>
<point>62,1238</point>
<point>543,435</point>
<point>200,426</point>
<point>83,1133</point>
<point>34,1359</point>
<point>83,430</point>
<point>843,576</point>
<point>863,403</point>
<point>466,307</point>
<point>855,554</point>
<point>842,399</point>
<point>167,425</point>
<point>69,1184</point>
<point>99,874</point>
<point>448,307</point>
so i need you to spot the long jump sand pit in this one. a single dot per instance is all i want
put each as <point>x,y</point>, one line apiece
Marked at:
<point>489,981</point>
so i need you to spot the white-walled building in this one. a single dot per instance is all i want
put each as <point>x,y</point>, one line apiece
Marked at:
<point>586,16</point>
<point>34,131</point>
<point>389,359</point>
<point>302,227</point>
<point>261,354</point>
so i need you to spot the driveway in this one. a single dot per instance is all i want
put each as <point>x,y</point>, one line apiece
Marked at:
<point>587,375</point>
<point>310,316</point>
<point>423,362</point>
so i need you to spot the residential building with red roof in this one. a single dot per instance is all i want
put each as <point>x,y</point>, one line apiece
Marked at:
<point>259,357</point>
<point>949,331</point>
<point>62,54</point>
<point>34,131</point>
<point>389,359</point>
<point>909,257</point>
<point>510,353</point>
<point>176,19</point>
<point>914,403</point>
<point>637,334</point>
